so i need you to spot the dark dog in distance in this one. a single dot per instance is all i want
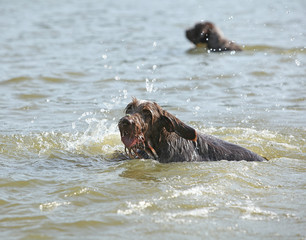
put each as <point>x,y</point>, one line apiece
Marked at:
<point>207,33</point>
<point>148,131</point>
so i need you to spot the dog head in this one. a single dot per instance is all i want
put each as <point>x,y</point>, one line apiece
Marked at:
<point>146,123</point>
<point>201,32</point>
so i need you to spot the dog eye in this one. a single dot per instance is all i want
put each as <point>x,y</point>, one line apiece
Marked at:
<point>147,113</point>
<point>128,109</point>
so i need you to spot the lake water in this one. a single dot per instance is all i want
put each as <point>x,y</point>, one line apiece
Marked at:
<point>68,69</point>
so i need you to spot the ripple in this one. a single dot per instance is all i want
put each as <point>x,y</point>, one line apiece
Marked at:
<point>31,96</point>
<point>52,205</point>
<point>54,79</point>
<point>15,80</point>
<point>277,50</point>
<point>261,74</point>
<point>135,208</point>
<point>252,212</point>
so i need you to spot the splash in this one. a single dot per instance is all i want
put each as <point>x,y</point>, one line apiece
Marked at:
<point>100,137</point>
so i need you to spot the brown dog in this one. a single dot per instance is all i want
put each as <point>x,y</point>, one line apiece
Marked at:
<point>148,131</point>
<point>208,33</point>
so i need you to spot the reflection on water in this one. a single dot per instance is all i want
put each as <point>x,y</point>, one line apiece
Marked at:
<point>67,72</point>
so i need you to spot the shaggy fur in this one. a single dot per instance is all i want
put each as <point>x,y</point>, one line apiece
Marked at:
<point>148,131</point>
<point>208,33</point>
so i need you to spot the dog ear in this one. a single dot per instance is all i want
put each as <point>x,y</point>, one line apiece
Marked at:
<point>205,30</point>
<point>173,124</point>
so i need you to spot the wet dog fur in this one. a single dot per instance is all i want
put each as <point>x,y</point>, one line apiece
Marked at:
<point>207,33</point>
<point>148,131</point>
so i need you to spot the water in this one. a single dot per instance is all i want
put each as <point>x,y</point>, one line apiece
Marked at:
<point>69,68</point>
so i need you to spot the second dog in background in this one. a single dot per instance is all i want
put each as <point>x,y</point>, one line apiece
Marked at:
<point>207,33</point>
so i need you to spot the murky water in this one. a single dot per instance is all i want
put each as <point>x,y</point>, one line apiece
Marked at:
<point>69,68</point>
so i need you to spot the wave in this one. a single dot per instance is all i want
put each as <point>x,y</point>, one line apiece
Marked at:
<point>253,48</point>
<point>99,138</point>
<point>47,79</point>
<point>275,49</point>
<point>102,138</point>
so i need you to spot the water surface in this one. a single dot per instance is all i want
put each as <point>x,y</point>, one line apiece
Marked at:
<point>69,68</point>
